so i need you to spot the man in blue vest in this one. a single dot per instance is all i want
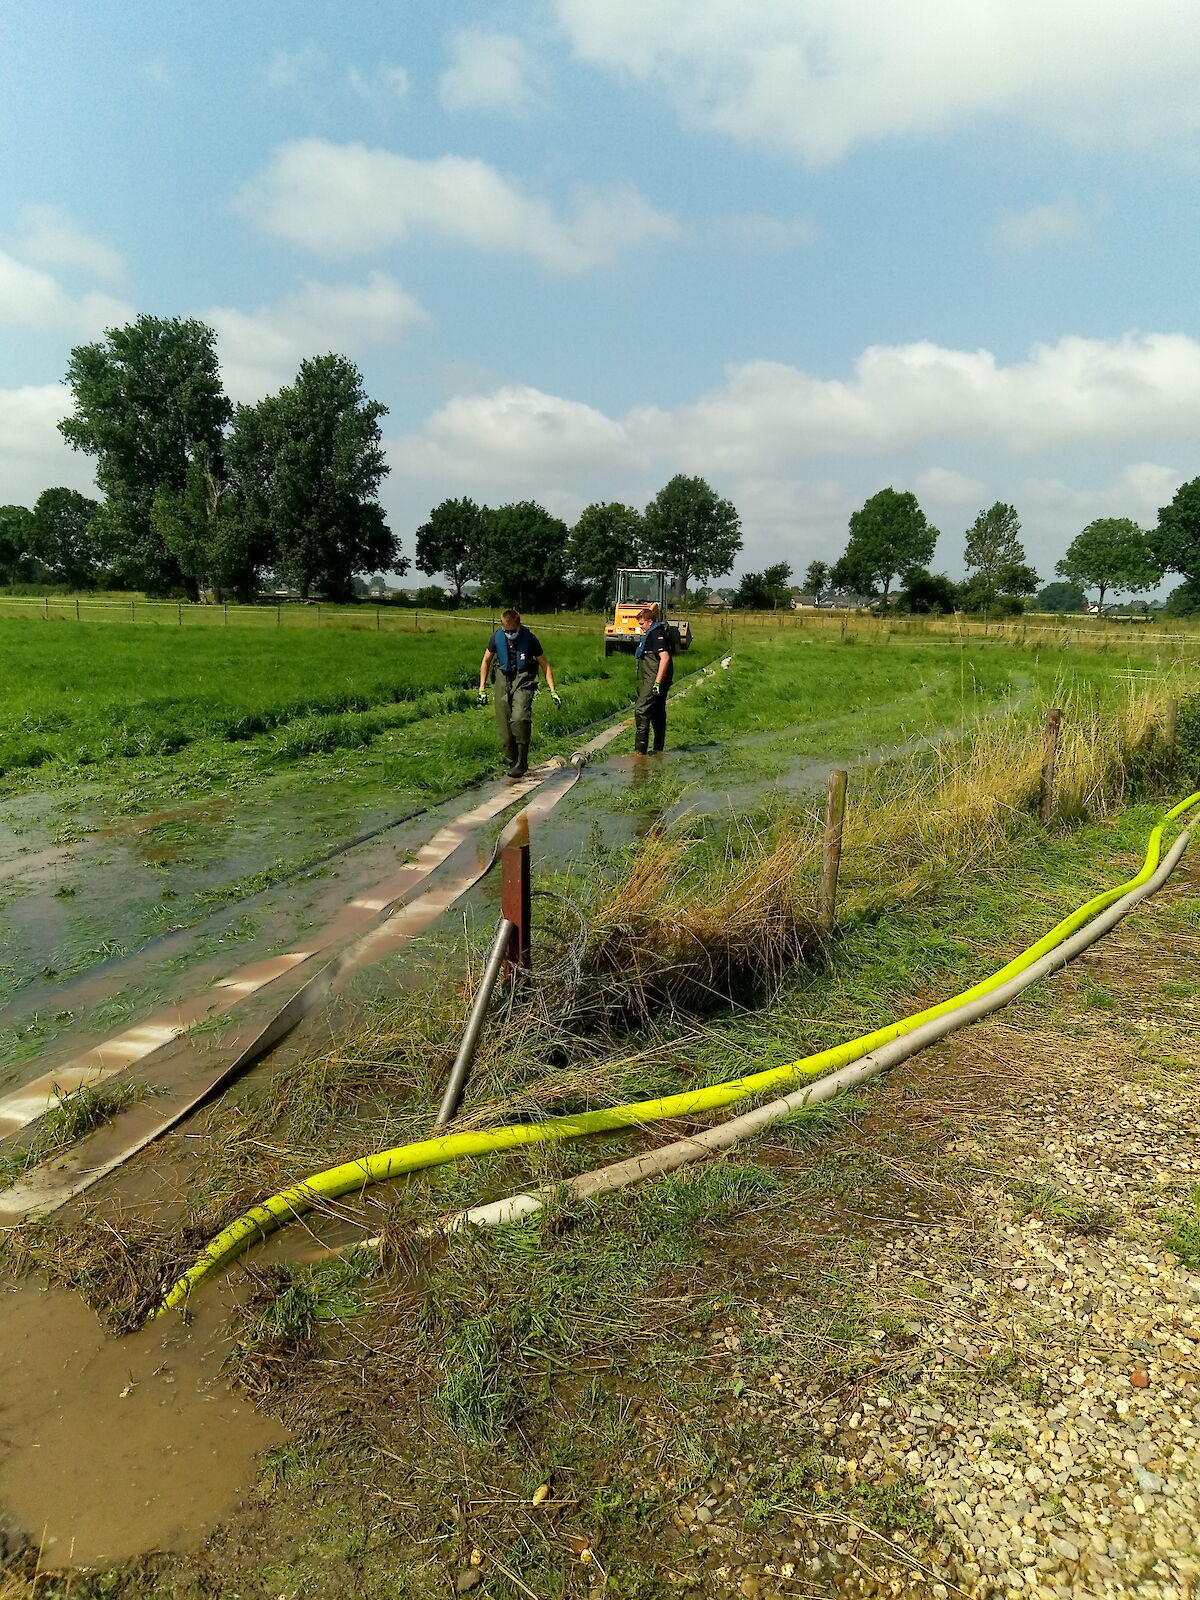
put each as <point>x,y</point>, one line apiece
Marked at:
<point>513,657</point>
<point>656,668</point>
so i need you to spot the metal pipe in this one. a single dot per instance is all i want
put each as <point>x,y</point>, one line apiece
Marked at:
<point>460,1071</point>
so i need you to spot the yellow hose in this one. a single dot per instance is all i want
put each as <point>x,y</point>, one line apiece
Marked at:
<point>273,1213</point>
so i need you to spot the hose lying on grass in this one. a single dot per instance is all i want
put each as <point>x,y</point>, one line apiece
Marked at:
<point>667,1158</point>
<point>273,1213</point>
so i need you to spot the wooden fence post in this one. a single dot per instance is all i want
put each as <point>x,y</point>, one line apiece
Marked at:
<point>1049,762</point>
<point>831,849</point>
<point>516,900</point>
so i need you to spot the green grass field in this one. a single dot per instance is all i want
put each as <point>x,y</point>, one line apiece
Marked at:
<point>530,1354</point>
<point>88,693</point>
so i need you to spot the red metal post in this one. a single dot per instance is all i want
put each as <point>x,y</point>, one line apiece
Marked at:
<point>515,905</point>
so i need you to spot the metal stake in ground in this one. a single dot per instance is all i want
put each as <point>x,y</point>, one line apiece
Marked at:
<point>831,850</point>
<point>516,898</point>
<point>511,949</point>
<point>1049,762</point>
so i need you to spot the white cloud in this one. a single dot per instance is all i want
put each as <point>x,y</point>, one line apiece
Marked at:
<point>51,238</point>
<point>33,454</point>
<point>31,298</point>
<point>817,77</point>
<point>487,72</point>
<point>339,199</point>
<point>1137,491</point>
<point>1077,393</point>
<point>157,71</point>
<point>1060,222</point>
<point>260,350</point>
<point>514,432</point>
<point>288,69</point>
<point>942,486</point>
<point>386,84</point>
<point>758,230</point>
<point>798,452</point>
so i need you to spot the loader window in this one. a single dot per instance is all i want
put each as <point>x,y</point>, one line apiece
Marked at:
<point>641,588</point>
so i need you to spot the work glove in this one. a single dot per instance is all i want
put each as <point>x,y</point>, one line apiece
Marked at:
<point>557,698</point>
<point>656,689</point>
<point>481,698</point>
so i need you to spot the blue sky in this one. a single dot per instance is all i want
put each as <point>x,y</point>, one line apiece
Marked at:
<point>801,247</point>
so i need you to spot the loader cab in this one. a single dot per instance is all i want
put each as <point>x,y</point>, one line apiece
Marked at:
<point>636,588</point>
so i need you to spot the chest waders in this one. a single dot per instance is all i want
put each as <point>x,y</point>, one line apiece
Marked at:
<point>516,679</point>
<point>650,709</point>
<point>514,718</point>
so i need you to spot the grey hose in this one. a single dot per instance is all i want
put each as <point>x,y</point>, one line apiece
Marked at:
<point>667,1158</point>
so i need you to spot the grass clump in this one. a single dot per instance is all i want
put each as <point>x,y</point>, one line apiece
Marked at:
<point>813,1485</point>
<point>507,1308</point>
<point>280,1323</point>
<point>1004,1366</point>
<point>1070,1213</point>
<point>1184,1238</point>
<point>74,1115</point>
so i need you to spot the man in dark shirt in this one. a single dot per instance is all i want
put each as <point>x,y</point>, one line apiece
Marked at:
<point>513,657</point>
<point>656,668</point>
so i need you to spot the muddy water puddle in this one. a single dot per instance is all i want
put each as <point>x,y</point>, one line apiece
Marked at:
<point>112,1448</point>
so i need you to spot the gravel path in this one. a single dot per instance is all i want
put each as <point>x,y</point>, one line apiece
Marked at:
<point>1029,1418</point>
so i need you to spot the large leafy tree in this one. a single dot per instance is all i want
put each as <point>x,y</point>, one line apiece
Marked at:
<point>607,536</point>
<point>767,590</point>
<point>994,545</point>
<point>62,539</point>
<point>889,537</point>
<point>691,531</point>
<point>524,560</point>
<point>1183,601</point>
<point>817,578</point>
<point>16,542</point>
<point>452,542</point>
<point>1175,542</point>
<point>1112,554</point>
<point>926,592</point>
<point>219,543</point>
<point>1060,597</point>
<point>310,461</point>
<point>148,399</point>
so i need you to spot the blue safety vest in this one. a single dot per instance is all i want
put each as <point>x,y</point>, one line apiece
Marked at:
<point>517,656</point>
<point>656,639</point>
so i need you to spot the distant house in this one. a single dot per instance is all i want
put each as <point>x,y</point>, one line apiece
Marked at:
<point>716,602</point>
<point>831,600</point>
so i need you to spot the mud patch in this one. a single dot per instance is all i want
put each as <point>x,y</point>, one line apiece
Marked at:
<point>112,1448</point>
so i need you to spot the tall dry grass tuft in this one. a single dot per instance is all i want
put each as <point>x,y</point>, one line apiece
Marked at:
<point>673,934</point>
<point>692,930</point>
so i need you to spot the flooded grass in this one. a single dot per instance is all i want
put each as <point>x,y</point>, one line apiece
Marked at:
<point>455,1376</point>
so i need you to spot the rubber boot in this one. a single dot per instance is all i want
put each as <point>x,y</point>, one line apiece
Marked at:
<point>521,765</point>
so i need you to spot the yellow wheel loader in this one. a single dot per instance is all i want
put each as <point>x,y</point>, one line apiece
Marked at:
<point>637,588</point>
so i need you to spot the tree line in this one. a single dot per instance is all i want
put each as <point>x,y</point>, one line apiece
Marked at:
<point>891,543</point>
<point>523,554</point>
<point>204,497</point>
<point>201,496</point>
